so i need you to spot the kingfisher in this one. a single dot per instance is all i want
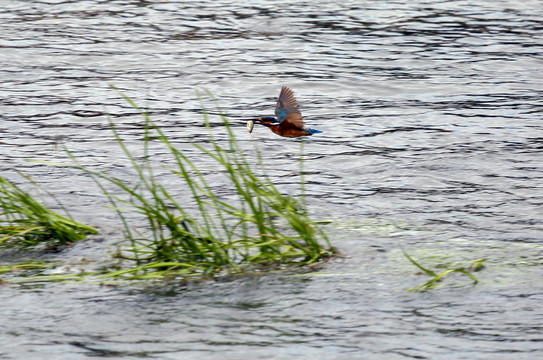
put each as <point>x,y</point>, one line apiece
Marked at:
<point>289,121</point>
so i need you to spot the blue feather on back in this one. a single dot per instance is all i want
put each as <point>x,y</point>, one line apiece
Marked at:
<point>282,114</point>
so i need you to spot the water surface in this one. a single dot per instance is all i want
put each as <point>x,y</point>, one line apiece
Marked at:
<point>431,112</point>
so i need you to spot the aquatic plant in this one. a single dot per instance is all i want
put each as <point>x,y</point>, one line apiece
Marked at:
<point>475,266</point>
<point>24,220</point>
<point>24,266</point>
<point>210,234</point>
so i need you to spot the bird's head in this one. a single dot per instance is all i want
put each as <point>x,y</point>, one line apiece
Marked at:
<point>267,121</point>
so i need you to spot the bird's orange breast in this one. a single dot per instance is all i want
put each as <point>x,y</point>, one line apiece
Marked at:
<point>288,132</point>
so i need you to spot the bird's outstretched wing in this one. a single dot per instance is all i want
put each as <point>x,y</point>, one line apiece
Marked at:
<point>292,120</point>
<point>286,104</point>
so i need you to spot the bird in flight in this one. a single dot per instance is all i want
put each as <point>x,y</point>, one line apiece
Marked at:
<point>289,121</point>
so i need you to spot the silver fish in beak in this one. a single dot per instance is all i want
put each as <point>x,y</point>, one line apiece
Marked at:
<point>250,125</point>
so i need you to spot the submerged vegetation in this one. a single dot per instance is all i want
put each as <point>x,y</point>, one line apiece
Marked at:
<point>25,221</point>
<point>436,278</point>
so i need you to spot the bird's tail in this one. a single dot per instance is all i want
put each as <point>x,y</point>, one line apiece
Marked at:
<point>313,131</point>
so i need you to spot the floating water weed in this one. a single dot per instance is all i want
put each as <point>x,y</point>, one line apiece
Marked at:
<point>211,235</point>
<point>29,265</point>
<point>24,220</point>
<point>475,266</point>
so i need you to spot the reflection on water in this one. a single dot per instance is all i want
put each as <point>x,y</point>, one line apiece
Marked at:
<point>431,114</point>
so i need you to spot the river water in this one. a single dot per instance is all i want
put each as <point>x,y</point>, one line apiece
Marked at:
<point>432,139</point>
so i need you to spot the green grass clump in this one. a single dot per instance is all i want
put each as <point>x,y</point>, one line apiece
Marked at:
<point>201,232</point>
<point>24,220</point>
<point>436,278</point>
